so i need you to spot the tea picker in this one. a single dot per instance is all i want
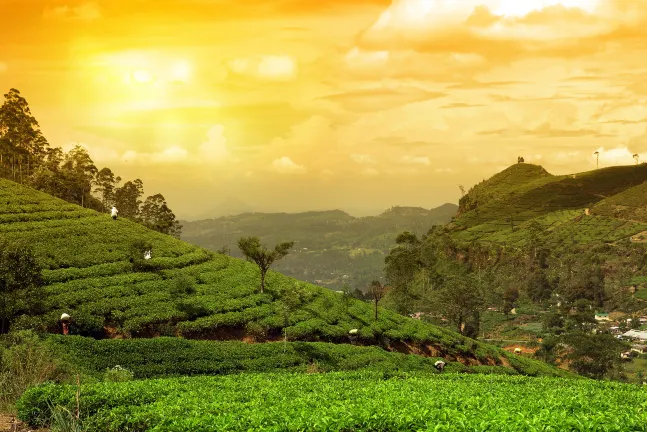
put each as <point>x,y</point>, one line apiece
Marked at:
<point>114,212</point>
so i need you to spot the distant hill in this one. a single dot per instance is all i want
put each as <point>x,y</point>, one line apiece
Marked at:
<point>629,205</point>
<point>185,290</point>
<point>331,247</point>
<point>500,209</point>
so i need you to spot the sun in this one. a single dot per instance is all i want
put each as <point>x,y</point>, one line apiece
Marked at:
<point>142,76</point>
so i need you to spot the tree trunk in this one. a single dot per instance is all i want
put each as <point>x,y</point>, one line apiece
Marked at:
<point>263,272</point>
<point>376,310</point>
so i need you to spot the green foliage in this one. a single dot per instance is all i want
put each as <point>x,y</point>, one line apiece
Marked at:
<point>359,401</point>
<point>20,283</point>
<point>118,374</point>
<point>26,361</point>
<point>253,250</point>
<point>592,355</point>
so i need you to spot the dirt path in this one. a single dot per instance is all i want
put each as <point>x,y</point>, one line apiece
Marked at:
<point>8,423</point>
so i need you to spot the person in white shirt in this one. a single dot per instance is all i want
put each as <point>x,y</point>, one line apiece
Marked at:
<point>114,212</point>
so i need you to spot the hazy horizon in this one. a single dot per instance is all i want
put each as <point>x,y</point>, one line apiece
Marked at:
<point>358,105</point>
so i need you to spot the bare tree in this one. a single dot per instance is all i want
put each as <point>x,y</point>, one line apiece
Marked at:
<point>378,291</point>
<point>462,188</point>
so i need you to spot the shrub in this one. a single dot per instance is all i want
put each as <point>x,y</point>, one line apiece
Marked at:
<point>118,374</point>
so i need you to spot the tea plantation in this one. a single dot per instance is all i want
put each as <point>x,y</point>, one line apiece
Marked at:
<point>187,291</point>
<point>501,208</point>
<point>348,401</point>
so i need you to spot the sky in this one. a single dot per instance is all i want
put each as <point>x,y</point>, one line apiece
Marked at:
<point>359,105</point>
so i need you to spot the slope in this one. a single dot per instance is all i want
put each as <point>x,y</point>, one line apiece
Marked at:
<point>187,291</point>
<point>548,200</point>
<point>630,204</point>
<point>332,247</point>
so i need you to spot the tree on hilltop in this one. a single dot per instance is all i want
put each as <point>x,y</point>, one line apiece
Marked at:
<point>156,215</point>
<point>106,185</point>
<point>264,258</point>
<point>81,171</point>
<point>128,198</point>
<point>22,145</point>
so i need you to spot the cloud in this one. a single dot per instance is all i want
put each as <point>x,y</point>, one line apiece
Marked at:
<point>363,159</point>
<point>444,170</point>
<point>380,98</point>
<point>87,12</point>
<point>285,165</point>
<point>616,156</point>
<point>3,67</point>
<point>476,85</point>
<point>170,155</point>
<point>371,172</point>
<point>492,32</point>
<point>415,160</point>
<point>460,105</point>
<point>215,148</point>
<point>398,141</point>
<point>269,67</point>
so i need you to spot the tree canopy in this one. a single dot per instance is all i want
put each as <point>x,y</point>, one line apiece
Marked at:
<point>263,257</point>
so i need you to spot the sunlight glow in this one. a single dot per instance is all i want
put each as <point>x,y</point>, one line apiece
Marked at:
<point>181,71</point>
<point>142,76</point>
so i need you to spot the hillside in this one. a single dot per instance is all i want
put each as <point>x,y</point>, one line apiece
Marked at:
<point>331,247</point>
<point>499,209</point>
<point>187,291</point>
<point>629,205</point>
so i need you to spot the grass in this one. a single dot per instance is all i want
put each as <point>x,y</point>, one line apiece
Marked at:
<point>345,401</point>
<point>85,259</point>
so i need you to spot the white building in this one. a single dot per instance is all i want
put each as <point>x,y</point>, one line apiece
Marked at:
<point>636,335</point>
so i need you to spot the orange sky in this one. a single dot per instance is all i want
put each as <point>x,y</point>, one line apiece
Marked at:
<point>354,104</point>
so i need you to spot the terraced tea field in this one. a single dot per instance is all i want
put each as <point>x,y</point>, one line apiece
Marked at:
<point>188,291</point>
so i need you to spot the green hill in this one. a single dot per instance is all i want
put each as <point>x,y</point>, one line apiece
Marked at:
<point>331,247</point>
<point>499,209</point>
<point>188,291</point>
<point>629,205</point>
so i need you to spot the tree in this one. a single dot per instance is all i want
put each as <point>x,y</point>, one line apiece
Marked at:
<point>378,291</point>
<point>401,267</point>
<point>253,250</point>
<point>156,215</point>
<point>592,355</point>
<point>510,296</point>
<point>106,184</point>
<point>539,287</point>
<point>636,157</point>
<point>128,198</point>
<point>22,144</point>
<point>597,159</point>
<point>20,283</point>
<point>81,171</point>
<point>48,177</point>
<point>460,299</point>
<point>462,189</point>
